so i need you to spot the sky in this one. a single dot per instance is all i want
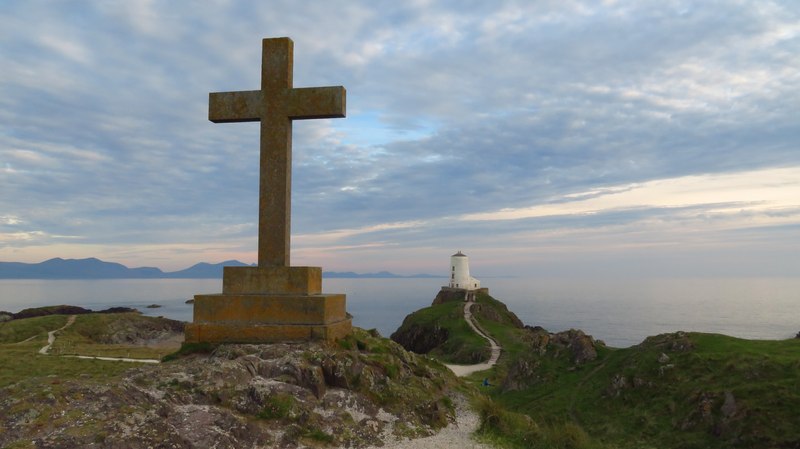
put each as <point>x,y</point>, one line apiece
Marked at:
<point>541,138</point>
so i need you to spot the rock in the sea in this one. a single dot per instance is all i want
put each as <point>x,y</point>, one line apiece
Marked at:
<point>118,310</point>
<point>50,310</point>
<point>154,306</point>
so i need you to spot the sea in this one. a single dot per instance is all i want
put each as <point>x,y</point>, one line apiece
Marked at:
<point>620,312</point>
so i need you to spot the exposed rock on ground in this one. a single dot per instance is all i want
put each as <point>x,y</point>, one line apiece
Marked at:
<point>673,342</point>
<point>138,331</point>
<point>524,370</point>
<point>497,312</point>
<point>448,295</point>
<point>580,345</point>
<point>420,339</point>
<point>357,393</point>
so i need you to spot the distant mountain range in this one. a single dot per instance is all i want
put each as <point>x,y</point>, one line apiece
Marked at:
<point>93,268</point>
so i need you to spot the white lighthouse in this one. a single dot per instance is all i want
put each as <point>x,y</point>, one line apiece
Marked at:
<point>459,273</point>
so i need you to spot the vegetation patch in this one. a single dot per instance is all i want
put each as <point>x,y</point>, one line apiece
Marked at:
<point>190,348</point>
<point>280,406</point>
<point>318,435</point>
<point>559,390</point>
<point>687,390</point>
<point>440,330</point>
<point>16,331</point>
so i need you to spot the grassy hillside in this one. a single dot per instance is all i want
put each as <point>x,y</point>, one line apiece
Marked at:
<point>679,390</point>
<point>110,335</point>
<point>440,330</point>
<point>686,390</point>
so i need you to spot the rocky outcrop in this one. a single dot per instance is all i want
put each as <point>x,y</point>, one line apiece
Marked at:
<point>354,394</point>
<point>138,330</point>
<point>522,373</point>
<point>62,310</point>
<point>580,345</point>
<point>525,370</point>
<point>716,411</point>
<point>50,310</point>
<point>420,339</point>
<point>498,312</point>
<point>449,295</point>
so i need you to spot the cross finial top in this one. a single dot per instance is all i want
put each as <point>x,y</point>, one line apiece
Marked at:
<point>275,106</point>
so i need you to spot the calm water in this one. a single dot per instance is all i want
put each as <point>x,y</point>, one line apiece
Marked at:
<point>620,312</point>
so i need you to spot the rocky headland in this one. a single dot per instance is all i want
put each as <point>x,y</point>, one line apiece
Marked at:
<point>548,389</point>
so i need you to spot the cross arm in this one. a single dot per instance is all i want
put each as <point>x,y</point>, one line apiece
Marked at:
<point>227,107</point>
<point>317,102</point>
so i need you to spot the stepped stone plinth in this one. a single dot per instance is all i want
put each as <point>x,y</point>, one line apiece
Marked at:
<point>266,305</point>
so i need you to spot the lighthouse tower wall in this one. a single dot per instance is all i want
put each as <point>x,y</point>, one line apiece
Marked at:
<point>459,273</point>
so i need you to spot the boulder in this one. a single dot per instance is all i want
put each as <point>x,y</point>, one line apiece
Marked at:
<point>579,344</point>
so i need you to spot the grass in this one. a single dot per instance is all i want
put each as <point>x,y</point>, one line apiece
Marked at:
<point>508,429</point>
<point>628,398</point>
<point>318,435</point>
<point>90,334</point>
<point>190,348</point>
<point>279,406</point>
<point>679,406</point>
<point>16,331</point>
<point>463,345</point>
<point>20,360</point>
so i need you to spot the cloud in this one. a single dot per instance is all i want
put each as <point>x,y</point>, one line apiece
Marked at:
<point>755,191</point>
<point>570,116</point>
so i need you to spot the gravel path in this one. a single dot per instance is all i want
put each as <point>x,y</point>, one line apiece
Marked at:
<point>459,434</point>
<point>465,370</point>
<point>454,436</point>
<point>51,336</point>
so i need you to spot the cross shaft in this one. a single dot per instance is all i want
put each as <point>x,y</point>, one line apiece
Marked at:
<point>276,105</point>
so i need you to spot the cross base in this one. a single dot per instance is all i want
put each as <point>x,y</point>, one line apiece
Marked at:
<point>266,333</point>
<point>268,305</point>
<point>272,280</point>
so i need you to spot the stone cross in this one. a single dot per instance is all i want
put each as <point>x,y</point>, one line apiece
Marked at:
<point>275,106</point>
